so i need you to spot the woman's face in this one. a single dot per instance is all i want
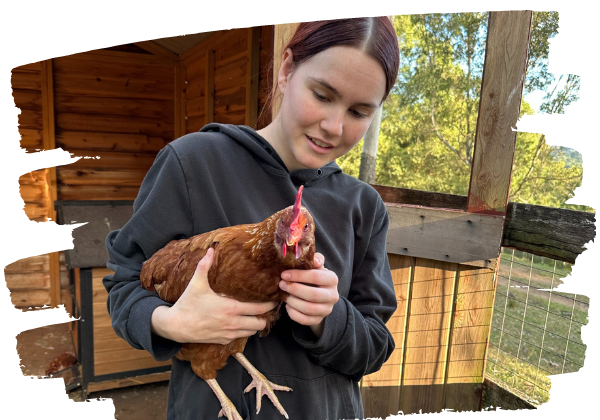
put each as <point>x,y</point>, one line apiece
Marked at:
<point>328,104</point>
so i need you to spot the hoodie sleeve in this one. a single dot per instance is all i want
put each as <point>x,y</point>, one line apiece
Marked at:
<point>355,339</point>
<point>161,213</point>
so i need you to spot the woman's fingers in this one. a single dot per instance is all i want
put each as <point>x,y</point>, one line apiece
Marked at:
<point>302,318</point>
<point>252,308</point>
<point>199,282</point>
<point>309,308</point>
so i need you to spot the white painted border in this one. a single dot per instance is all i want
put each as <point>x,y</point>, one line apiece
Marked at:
<point>36,30</point>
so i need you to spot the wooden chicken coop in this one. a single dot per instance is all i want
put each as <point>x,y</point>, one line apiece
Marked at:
<point>121,105</point>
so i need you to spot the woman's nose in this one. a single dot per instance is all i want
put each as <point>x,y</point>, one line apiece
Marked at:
<point>333,123</point>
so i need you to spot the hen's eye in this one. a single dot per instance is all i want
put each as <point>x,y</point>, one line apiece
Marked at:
<point>282,222</point>
<point>306,226</point>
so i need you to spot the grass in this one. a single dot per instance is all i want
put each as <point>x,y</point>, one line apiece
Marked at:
<point>535,333</point>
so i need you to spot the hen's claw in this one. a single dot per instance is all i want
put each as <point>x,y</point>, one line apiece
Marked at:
<point>263,385</point>
<point>227,408</point>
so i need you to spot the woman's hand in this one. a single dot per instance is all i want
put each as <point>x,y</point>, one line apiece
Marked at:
<point>202,316</point>
<point>312,294</point>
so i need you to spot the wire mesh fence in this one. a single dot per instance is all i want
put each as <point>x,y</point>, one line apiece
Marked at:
<point>536,330</point>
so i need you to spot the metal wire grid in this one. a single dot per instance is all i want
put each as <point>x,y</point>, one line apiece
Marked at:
<point>521,371</point>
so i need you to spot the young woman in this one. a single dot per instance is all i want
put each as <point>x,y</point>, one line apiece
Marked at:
<point>333,76</point>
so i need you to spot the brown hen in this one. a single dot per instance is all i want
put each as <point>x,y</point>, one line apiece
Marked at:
<point>247,266</point>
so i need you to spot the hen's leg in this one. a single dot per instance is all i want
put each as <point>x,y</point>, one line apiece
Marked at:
<point>263,385</point>
<point>227,407</point>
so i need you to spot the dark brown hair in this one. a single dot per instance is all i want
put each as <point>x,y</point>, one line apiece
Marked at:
<point>373,35</point>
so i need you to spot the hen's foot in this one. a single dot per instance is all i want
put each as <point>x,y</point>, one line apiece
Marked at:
<point>227,407</point>
<point>263,385</point>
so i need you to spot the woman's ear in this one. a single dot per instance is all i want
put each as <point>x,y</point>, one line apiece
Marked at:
<point>285,70</point>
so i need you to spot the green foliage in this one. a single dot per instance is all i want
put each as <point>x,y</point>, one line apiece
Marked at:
<point>429,119</point>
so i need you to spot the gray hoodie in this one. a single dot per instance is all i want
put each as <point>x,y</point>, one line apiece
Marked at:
<point>227,175</point>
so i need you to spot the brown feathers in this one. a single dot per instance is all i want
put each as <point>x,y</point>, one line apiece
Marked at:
<point>247,266</point>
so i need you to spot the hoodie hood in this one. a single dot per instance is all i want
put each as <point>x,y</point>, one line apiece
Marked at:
<point>248,138</point>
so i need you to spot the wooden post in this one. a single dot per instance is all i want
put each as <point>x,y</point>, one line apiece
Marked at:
<point>448,306</point>
<point>283,33</point>
<point>209,89</point>
<point>504,72</point>
<point>51,193</point>
<point>252,77</point>
<point>180,126</point>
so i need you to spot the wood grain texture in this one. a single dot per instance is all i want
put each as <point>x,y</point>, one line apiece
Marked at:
<point>209,87</point>
<point>115,124</point>
<point>500,102</point>
<point>112,354</point>
<point>49,133</point>
<point>39,263</point>
<point>179,101</point>
<point>27,281</point>
<point>381,390</point>
<point>109,142</point>
<point>471,323</point>
<point>444,235</point>
<point>127,107</point>
<point>159,51</point>
<point>97,192</point>
<point>555,233</point>
<point>252,77</point>
<point>30,298</point>
<point>121,178</point>
<point>134,380</point>
<point>421,198</point>
<point>121,57</point>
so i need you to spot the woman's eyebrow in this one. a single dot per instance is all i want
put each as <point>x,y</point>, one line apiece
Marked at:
<point>333,90</point>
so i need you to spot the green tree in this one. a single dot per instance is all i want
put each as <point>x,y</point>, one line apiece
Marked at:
<point>429,120</point>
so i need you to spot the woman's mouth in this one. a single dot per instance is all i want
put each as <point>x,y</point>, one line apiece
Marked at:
<point>320,146</point>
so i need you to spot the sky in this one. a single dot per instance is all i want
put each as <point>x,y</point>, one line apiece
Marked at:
<point>35,30</point>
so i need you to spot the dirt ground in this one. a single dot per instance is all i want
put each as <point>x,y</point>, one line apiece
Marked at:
<point>38,347</point>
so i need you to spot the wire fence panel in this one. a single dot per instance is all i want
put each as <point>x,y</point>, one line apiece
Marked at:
<point>536,331</point>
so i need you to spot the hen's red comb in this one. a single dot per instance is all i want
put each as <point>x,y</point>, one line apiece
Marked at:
<point>297,205</point>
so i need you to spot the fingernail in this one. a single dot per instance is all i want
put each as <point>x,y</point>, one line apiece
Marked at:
<point>283,285</point>
<point>286,276</point>
<point>317,260</point>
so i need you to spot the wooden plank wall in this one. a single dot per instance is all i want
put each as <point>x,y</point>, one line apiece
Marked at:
<point>112,354</point>
<point>28,279</point>
<point>440,329</point>
<point>119,107</point>
<point>217,75</point>
<point>115,106</point>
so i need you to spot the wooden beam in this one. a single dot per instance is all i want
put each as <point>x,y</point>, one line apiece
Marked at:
<point>49,139</point>
<point>504,72</point>
<point>158,50</point>
<point>421,198</point>
<point>560,234</point>
<point>209,87</point>
<point>555,233</point>
<point>252,77</point>
<point>444,235</point>
<point>124,382</point>
<point>283,33</point>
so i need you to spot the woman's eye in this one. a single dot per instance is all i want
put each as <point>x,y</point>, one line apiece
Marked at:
<point>357,114</point>
<point>319,96</point>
